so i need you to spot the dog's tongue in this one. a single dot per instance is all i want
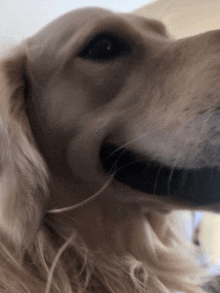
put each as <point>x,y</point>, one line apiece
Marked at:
<point>197,186</point>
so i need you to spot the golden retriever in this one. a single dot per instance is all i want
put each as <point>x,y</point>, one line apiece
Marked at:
<point>107,125</point>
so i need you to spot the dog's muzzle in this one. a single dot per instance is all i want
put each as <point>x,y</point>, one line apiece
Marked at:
<point>200,187</point>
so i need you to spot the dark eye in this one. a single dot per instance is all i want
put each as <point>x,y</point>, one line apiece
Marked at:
<point>105,47</point>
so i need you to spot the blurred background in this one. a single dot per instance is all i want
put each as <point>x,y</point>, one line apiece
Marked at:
<point>22,18</point>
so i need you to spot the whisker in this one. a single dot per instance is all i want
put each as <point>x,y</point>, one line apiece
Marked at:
<point>169,181</point>
<point>156,181</point>
<point>84,202</point>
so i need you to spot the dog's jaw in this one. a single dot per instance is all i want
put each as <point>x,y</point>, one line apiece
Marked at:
<point>198,187</point>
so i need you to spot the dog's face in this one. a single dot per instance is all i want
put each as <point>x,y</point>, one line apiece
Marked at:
<point>113,91</point>
<point>106,123</point>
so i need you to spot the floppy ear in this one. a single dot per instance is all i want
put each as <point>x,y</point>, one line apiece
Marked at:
<point>23,173</point>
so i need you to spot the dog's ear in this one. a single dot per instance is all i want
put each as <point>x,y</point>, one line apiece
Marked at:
<point>23,172</point>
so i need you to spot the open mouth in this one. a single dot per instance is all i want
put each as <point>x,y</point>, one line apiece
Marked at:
<point>196,186</point>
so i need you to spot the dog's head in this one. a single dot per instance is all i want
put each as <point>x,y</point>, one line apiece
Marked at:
<point>96,93</point>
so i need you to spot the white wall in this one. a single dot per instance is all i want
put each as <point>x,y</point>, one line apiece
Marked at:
<point>21,18</point>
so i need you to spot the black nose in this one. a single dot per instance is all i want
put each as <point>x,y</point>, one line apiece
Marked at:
<point>197,186</point>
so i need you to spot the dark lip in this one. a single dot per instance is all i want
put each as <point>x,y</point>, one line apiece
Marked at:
<point>200,187</point>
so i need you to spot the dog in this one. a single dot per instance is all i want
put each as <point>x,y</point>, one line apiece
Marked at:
<point>107,126</point>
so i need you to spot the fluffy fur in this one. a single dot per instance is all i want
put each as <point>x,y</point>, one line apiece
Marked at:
<point>66,225</point>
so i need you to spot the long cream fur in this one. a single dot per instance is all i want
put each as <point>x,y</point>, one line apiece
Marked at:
<point>38,254</point>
